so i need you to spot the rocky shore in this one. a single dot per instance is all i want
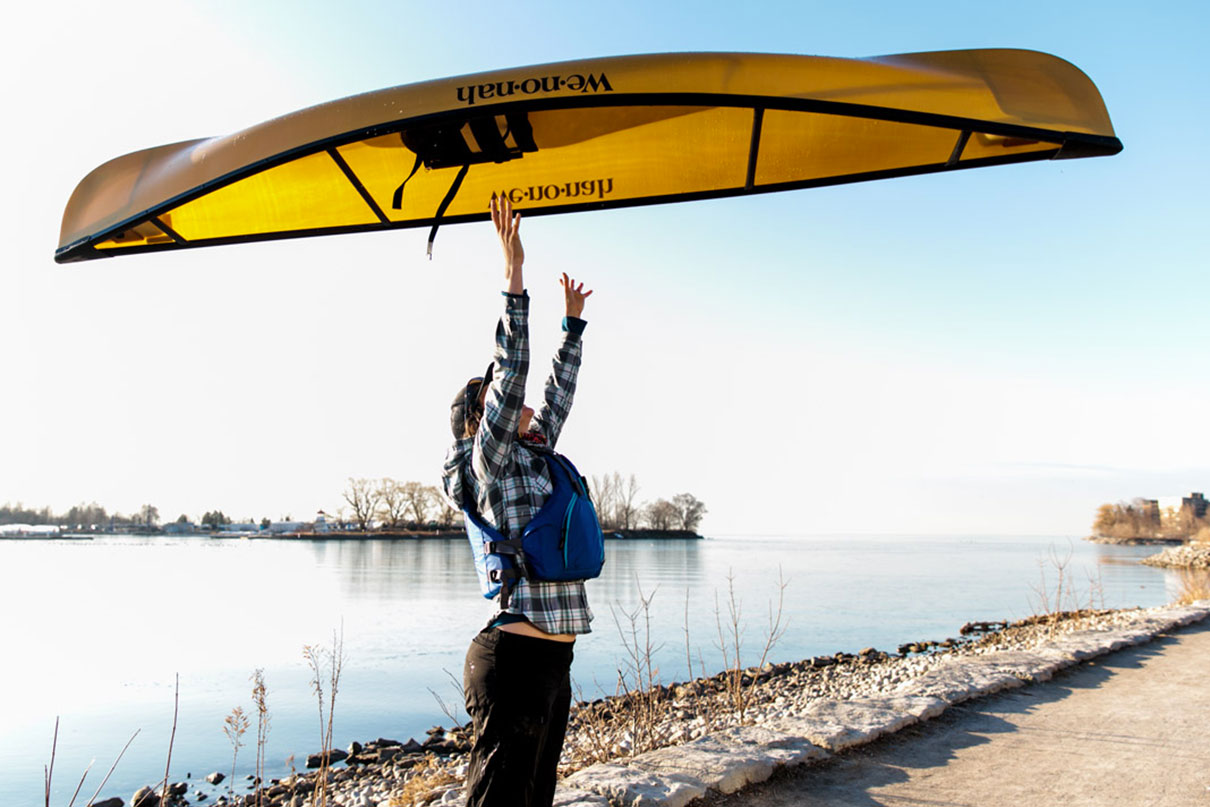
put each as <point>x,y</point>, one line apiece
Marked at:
<point>1187,556</point>
<point>671,744</point>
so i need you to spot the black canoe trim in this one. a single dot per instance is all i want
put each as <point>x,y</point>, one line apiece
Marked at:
<point>85,251</point>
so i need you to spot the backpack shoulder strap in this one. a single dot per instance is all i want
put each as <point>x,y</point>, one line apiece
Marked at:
<point>511,548</point>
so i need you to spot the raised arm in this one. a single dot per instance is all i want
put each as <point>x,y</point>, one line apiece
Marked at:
<point>505,396</point>
<point>561,385</point>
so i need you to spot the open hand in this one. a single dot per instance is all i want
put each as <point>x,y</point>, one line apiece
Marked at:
<point>574,295</point>
<point>508,227</point>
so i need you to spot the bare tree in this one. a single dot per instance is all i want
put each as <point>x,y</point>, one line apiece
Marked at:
<point>628,494</point>
<point>362,495</point>
<point>447,514</point>
<point>417,500</point>
<point>149,515</point>
<point>689,510</point>
<point>604,498</point>
<point>661,514</point>
<point>392,502</point>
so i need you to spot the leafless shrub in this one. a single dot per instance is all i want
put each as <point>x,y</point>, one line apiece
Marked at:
<point>176,708</point>
<point>48,770</point>
<point>590,721</point>
<point>234,726</point>
<point>111,769</point>
<point>1096,591</point>
<point>638,677</point>
<point>451,710</point>
<point>739,682</point>
<point>1057,597</point>
<point>317,658</point>
<point>1048,601</point>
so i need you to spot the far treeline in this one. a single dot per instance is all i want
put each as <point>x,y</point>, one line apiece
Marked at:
<point>392,505</point>
<point>95,517</point>
<point>388,504</point>
<point>1144,519</point>
<point>83,515</point>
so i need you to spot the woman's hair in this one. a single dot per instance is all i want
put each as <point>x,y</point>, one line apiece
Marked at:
<point>467,407</point>
<point>472,421</point>
<point>474,409</point>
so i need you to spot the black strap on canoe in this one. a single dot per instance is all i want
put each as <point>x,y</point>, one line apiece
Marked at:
<point>397,199</point>
<point>445,144</point>
<point>445,203</point>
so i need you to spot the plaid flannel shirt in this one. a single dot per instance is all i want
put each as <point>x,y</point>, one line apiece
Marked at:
<point>508,483</point>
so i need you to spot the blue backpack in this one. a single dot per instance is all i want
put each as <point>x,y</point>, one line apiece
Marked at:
<point>563,541</point>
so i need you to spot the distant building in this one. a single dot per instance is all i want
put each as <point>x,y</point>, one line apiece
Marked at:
<point>26,530</point>
<point>180,528</point>
<point>1174,510</point>
<point>237,530</point>
<point>1150,510</point>
<point>279,527</point>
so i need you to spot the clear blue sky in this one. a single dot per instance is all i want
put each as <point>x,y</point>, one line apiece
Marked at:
<point>992,351</point>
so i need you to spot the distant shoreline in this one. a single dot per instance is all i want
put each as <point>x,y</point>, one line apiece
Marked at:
<point>1104,539</point>
<point>460,535</point>
<point>351,535</point>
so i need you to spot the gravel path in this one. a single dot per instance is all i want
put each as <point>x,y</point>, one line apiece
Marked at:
<point>1127,728</point>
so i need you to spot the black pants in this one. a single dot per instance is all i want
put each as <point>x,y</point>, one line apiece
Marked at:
<point>518,692</point>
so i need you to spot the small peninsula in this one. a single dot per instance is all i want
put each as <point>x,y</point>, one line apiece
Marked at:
<point>1166,520</point>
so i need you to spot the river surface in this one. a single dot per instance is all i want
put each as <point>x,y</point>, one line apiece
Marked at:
<point>97,631</point>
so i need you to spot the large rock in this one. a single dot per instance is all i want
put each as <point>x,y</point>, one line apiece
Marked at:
<point>730,759</point>
<point>633,787</point>
<point>837,725</point>
<point>144,797</point>
<point>570,797</point>
<point>334,756</point>
<point>215,778</point>
<point>959,679</point>
<point>110,802</point>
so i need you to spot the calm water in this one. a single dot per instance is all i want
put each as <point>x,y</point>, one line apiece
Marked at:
<point>95,631</point>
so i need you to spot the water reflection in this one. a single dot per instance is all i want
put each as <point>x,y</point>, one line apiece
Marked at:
<point>397,570</point>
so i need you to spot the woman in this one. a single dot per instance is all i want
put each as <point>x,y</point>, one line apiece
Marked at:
<point>516,677</point>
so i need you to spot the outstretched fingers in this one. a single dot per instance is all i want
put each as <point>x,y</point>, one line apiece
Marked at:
<point>571,287</point>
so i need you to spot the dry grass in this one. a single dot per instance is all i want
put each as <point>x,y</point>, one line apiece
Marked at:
<point>260,697</point>
<point>637,718</point>
<point>234,726</point>
<point>316,658</point>
<point>1202,536</point>
<point>427,776</point>
<point>1195,585</point>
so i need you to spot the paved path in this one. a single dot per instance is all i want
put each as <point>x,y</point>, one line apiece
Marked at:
<point>1130,728</point>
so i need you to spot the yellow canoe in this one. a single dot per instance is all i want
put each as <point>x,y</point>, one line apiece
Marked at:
<point>600,133</point>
